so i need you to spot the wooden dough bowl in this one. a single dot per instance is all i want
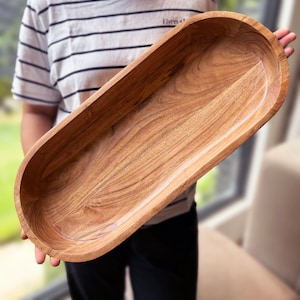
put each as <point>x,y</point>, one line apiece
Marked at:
<point>160,124</point>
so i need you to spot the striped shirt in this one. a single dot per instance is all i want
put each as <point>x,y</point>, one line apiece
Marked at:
<point>68,49</point>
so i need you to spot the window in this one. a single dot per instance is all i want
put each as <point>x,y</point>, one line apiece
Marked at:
<point>225,183</point>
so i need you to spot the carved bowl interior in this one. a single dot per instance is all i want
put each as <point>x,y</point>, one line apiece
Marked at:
<point>160,124</point>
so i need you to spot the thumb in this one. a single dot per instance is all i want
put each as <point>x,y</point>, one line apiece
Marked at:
<point>23,235</point>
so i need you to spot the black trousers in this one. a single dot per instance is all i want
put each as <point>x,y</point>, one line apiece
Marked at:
<point>162,261</point>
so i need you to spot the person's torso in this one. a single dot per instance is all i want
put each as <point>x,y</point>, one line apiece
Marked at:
<point>90,41</point>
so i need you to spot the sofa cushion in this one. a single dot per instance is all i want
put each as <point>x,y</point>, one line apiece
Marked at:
<point>273,228</point>
<point>227,272</point>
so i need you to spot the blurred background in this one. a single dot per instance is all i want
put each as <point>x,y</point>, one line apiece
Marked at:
<point>224,195</point>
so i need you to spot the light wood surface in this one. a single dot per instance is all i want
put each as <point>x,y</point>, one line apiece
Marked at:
<point>159,125</point>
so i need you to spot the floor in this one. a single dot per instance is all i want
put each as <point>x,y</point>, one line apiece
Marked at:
<point>19,274</point>
<point>22,279</point>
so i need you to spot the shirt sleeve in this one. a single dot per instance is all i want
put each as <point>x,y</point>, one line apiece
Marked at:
<point>32,80</point>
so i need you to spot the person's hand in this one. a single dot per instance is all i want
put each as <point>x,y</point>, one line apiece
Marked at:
<point>40,257</point>
<point>285,37</point>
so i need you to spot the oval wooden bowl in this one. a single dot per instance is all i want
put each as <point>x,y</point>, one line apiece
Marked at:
<point>164,121</point>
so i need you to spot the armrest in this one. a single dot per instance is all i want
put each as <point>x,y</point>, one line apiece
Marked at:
<point>273,227</point>
<point>228,272</point>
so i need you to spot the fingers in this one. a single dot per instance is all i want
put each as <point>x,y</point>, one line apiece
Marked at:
<point>54,261</point>
<point>289,51</point>
<point>23,235</point>
<point>285,37</point>
<point>280,33</point>
<point>40,258</point>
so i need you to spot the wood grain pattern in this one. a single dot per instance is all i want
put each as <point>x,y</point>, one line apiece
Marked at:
<point>149,133</point>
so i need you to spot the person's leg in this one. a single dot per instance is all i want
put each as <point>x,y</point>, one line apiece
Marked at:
<point>99,279</point>
<point>164,260</point>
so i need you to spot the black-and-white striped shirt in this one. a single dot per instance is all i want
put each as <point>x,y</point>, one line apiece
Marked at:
<point>68,49</point>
